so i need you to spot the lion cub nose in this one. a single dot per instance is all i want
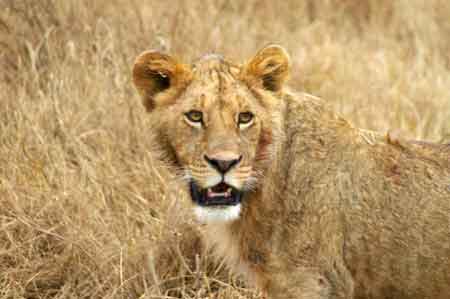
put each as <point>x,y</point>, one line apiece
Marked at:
<point>220,165</point>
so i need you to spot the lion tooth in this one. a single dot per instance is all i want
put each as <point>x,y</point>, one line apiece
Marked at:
<point>217,194</point>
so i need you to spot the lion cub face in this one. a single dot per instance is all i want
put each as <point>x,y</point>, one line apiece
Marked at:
<point>218,120</point>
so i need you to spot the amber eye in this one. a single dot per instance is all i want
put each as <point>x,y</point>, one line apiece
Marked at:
<point>245,118</point>
<point>194,116</point>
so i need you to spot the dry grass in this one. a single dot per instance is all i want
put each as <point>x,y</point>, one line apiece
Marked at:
<point>87,211</point>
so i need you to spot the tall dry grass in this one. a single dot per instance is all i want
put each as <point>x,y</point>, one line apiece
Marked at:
<point>86,209</point>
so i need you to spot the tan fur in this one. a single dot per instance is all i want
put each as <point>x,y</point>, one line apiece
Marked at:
<point>336,211</point>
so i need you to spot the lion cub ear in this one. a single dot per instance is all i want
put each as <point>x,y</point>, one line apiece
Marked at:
<point>156,74</point>
<point>269,69</point>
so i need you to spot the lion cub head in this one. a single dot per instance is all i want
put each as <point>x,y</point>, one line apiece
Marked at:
<point>218,121</point>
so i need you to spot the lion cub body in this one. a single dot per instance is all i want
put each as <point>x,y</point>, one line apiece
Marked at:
<point>337,212</point>
<point>344,213</point>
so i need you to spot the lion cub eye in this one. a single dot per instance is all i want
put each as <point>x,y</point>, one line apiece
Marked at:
<point>245,119</point>
<point>194,117</point>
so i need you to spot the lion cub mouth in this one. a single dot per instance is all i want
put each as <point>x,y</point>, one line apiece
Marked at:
<point>221,194</point>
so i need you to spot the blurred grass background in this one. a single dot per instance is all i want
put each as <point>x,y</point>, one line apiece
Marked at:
<point>86,209</point>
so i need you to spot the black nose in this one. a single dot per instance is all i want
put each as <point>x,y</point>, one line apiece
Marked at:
<point>222,166</point>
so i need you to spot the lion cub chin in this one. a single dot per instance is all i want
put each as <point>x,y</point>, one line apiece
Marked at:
<point>217,214</point>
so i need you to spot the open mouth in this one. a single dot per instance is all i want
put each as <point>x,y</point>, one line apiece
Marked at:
<point>221,194</point>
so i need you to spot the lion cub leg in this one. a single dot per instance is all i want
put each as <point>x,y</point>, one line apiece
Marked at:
<point>307,283</point>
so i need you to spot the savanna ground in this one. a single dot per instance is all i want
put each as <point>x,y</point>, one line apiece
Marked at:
<point>86,209</point>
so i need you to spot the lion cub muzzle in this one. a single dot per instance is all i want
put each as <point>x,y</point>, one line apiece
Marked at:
<point>221,201</point>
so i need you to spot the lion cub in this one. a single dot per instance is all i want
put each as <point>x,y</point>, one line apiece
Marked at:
<point>293,197</point>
